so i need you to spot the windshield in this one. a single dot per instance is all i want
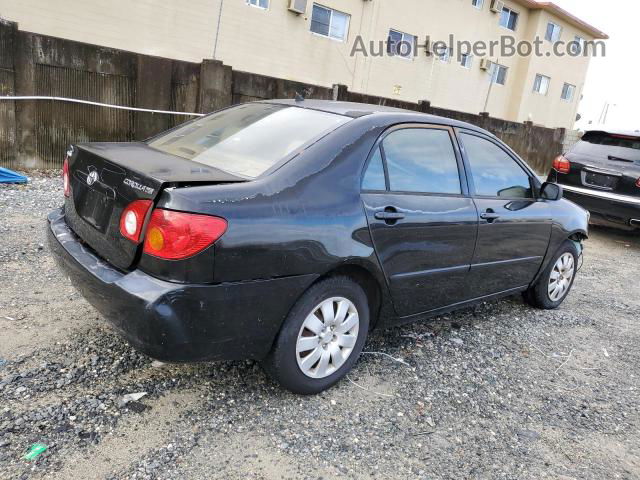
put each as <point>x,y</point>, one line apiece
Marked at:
<point>607,145</point>
<point>248,139</point>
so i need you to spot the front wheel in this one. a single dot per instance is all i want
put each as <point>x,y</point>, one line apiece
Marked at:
<point>321,338</point>
<point>556,281</point>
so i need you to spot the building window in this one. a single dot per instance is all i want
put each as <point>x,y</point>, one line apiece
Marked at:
<point>508,19</point>
<point>329,23</point>
<point>444,55</point>
<point>466,60</point>
<point>577,46</point>
<point>553,32</point>
<point>400,44</point>
<point>264,4</point>
<point>568,91</point>
<point>477,3</point>
<point>499,74</point>
<point>541,84</point>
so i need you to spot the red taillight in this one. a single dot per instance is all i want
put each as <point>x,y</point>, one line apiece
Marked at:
<point>638,183</point>
<point>66,183</point>
<point>561,164</point>
<point>176,235</point>
<point>132,219</point>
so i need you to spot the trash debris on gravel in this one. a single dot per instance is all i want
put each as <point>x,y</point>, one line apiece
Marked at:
<point>35,451</point>
<point>131,397</point>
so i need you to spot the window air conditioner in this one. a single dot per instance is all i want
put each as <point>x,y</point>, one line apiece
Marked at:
<point>485,64</point>
<point>497,6</point>
<point>298,6</point>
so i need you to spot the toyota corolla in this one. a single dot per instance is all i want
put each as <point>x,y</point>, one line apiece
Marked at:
<point>285,231</point>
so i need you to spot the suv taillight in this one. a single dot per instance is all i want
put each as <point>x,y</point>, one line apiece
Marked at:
<point>176,235</point>
<point>561,164</point>
<point>132,219</point>
<point>66,183</point>
<point>638,183</point>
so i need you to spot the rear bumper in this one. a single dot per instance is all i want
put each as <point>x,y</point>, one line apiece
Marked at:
<point>613,208</point>
<point>175,322</point>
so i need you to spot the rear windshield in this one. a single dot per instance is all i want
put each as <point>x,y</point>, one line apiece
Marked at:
<point>619,147</point>
<point>248,139</point>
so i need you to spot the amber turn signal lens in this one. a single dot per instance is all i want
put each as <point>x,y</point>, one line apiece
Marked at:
<point>155,239</point>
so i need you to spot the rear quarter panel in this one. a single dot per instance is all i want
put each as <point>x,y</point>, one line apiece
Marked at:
<point>305,218</point>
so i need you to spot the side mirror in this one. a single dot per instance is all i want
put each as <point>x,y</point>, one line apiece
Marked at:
<point>551,191</point>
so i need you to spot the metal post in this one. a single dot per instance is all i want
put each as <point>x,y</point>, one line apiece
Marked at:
<point>491,75</point>
<point>215,45</point>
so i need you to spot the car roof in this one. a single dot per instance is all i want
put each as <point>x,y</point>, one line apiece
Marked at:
<point>613,131</point>
<point>357,110</point>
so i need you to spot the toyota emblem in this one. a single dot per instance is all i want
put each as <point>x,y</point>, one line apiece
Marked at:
<point>92,177</point>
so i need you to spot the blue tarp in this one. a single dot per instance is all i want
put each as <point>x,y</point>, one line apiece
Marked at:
<point>9,176</point>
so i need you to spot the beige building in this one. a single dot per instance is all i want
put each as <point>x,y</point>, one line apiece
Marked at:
<point>317,43</point>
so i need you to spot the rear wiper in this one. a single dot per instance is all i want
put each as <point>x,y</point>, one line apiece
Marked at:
<point>618,159</point>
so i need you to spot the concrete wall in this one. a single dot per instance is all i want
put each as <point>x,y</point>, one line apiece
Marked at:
<point>177,29</point>
<point>571,137</point>
<point>39,131</point>
<point>278,43</point>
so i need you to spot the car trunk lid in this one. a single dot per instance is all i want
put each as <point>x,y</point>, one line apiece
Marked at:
<point>604,161</point>
<point>106,177</point>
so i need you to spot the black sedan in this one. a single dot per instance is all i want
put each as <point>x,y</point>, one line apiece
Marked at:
<point>285,231</point>
<point>602,174</point>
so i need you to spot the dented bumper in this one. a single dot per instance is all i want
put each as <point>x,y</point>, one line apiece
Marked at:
<point>177,322</point>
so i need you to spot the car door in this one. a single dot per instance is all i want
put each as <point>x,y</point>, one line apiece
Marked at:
<point>422,221</point>
<point>515,226</point>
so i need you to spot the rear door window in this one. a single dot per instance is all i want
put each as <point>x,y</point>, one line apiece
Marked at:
<point>249,139</point>
<point>374,178</point>
<point>494,172</point>
<point>421,160</point>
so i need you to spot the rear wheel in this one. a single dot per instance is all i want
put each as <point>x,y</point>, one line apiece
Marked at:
<point>556,281</point>
<point>321,338</point>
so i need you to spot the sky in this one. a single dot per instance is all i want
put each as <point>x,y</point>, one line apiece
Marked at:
<point>614,79</point>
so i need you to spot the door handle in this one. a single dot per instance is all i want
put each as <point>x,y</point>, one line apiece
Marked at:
<point>389,215</point>
<point>490,216</point>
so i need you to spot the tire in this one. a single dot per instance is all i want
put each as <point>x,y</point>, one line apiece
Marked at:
<point>541,294</point>
<point>287,365</point>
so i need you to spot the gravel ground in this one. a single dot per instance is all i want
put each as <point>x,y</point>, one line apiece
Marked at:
<point>496,391</point>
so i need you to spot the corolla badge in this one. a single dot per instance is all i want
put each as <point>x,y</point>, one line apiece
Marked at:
<point>92,177</point>
<point>138,186</point>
